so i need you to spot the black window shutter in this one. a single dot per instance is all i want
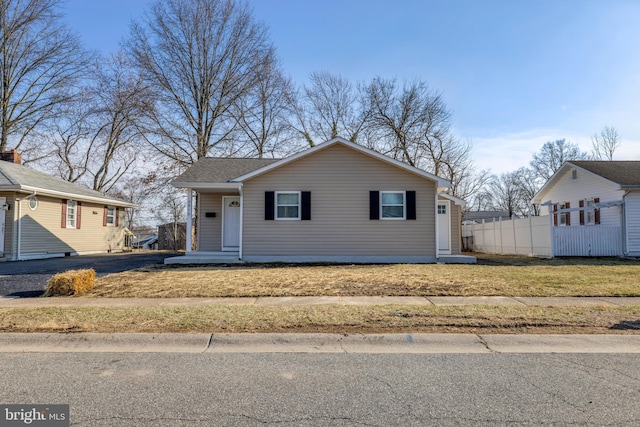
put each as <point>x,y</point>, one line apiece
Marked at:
<point>269,205</point>
<point>411,204</point>
<point>306,206</point>
<point>374,205</point>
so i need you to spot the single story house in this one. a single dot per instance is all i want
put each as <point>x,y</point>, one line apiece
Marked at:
<point>335,202</point>
<point>595,207</point>
<point>45,217</point>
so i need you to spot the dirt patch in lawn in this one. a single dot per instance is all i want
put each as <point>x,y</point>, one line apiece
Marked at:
<point>325,319</point>
<point>493,275</point>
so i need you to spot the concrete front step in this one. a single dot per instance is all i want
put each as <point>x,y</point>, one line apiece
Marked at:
<point>205,258</point>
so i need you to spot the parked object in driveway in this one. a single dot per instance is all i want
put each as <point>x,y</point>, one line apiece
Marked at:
<point>146,242</point>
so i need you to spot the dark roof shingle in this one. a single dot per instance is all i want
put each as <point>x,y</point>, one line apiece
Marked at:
<point>13,176</point>
<point>215,169</point>
<point>623,172</point>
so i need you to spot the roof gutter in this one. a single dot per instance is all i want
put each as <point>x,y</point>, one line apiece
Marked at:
<point>208,185</point>
<point>73,196</point>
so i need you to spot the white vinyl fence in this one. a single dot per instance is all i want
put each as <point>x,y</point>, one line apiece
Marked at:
<point>517,236</point>
<point>536,236</point>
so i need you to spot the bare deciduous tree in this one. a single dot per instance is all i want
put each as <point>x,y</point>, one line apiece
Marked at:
<point>94,138</point>
<point>39,60</point>
<point>122,99</point>
<point>412,124</point>
<point>605,143</point>
<point>552,155</point>
<point>201,57</point>
<point>331,106</point>
<point>412,119</point>
<point>262,115</point>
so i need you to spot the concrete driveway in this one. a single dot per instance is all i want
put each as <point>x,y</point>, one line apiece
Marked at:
<point>29,278</point>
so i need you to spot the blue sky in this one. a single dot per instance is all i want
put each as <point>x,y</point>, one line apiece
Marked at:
<point>515,73</point>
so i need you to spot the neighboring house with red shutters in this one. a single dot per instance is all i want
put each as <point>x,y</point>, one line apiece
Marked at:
<point>44,217</point>
<point>595,207</point>
<point>335,202</point>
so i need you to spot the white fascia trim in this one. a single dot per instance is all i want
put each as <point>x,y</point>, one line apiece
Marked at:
<point>440,182</point>
<point>195,186</point>
<point>456,200</point>
<point>74,196</point>
<point>563,170</point>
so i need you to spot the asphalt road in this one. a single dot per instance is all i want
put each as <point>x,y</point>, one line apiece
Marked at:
<point>29,278</point>
<point>150,389</point>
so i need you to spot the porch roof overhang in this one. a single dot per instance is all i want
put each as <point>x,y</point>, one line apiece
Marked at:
<point>210,187</point>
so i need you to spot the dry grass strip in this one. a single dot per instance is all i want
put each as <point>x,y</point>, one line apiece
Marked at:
<point>71,282</point>
<point>327,319</point>
<point>517,276</point>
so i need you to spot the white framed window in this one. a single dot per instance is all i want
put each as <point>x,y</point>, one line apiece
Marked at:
<point>111,216</point>
<point>72,213</point>
<point>33,203</point>
<point>591,213</point>
<point>287,205</point>
<point>393,205</point>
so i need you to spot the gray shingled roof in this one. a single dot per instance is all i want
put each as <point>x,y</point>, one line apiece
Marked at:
<point>214,169</point>
<point>15,177</point>
<point>623,172</point>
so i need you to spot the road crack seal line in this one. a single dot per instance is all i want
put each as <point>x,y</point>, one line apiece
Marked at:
<point>209,344</point>
<point>484,342</point>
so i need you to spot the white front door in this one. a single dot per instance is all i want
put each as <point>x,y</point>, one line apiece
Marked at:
<point>444,227</point>
<point>3,202</point>
<point>230,223</point>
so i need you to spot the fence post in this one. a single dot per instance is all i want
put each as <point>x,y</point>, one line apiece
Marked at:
<point>531,235</point>
<point>501,244</point>
<point>515,243</point>
<point>495,246</point>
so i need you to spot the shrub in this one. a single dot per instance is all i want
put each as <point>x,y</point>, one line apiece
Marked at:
<point>72,282</point>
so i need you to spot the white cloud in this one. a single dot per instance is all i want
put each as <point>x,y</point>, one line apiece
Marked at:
<point>509,151</point>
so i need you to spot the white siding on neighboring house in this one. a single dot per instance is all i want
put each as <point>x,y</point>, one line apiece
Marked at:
<point>586,185</point>
<point>632,215</point>
<point>340,180</point>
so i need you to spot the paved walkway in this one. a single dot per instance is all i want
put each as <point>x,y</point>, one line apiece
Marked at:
<point>6,302</point>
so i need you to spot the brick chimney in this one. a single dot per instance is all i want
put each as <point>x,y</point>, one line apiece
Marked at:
<point>11,156</point>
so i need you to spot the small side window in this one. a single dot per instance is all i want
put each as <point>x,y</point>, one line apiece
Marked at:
<point>111,216</point>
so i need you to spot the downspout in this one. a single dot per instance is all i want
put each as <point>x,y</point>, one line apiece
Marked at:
<point>241,220</point>
<point>437,229</point>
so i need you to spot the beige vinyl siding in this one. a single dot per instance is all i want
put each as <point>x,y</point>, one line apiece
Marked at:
<point>456,228</point>
<point>210,229</point>
<point>339,180</point>
<point>42,231</point>
<point>9,224</point>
